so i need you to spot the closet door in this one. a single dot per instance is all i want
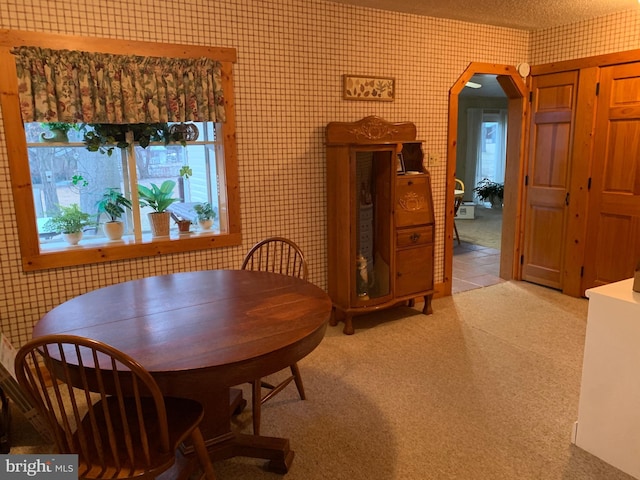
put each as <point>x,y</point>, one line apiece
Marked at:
<point>548,177</point>
<point>613,221</point>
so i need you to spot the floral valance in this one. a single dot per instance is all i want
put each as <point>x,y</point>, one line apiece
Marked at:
<point>74,87</point>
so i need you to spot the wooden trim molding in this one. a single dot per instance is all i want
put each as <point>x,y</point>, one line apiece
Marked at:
<point>15,38</point>
<point>598,61</point>
<point>369,130</point>
<point>517,93</point>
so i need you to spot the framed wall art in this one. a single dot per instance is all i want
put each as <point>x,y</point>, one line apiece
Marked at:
<point>380,89</point>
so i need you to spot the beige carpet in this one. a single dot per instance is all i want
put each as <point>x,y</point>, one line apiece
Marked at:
<point>485,229</point>
<point>485,388</point>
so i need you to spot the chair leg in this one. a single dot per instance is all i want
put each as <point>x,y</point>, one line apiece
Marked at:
<point>203,454</point>
<point>256,394</point>
<point>256,402</point>
<point>455,228</point>
<point>295,371</point>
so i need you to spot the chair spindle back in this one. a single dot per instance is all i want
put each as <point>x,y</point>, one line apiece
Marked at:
<point>278,255</point>
<point>99,402</point>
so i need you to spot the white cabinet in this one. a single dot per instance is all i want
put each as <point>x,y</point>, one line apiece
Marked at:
<point>608,423</point>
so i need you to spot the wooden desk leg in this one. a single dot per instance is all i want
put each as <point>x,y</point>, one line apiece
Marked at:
<point>348,324</point>
<point>341,316</point>
<point>427,309</point>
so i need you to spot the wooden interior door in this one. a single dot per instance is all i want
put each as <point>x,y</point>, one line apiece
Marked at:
<point>548,177</point>
<point>613,222</point>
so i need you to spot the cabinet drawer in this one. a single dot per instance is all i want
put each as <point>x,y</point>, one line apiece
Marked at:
<point>409,237</point>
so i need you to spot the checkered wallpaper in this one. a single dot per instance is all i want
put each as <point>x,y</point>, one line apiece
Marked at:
<point>291,56</point>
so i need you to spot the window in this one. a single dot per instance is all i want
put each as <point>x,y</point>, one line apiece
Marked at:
<point>50,173</point>
<point>486,144</point>
<point>64,172</point>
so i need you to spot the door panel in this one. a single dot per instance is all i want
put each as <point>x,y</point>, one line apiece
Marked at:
<point>548,176</point>
<point>614,235</point>
<point>613,222</point>
<point>620,174</point>
<point>546,251</point>
<point>553,141</point>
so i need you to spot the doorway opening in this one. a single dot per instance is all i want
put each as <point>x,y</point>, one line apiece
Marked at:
<point>485,144</point>
<point>480,165</point>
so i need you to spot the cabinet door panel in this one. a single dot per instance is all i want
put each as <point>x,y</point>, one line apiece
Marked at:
<point>554,98</point>
<point>613,222</point>
<point>371,204</point>
<point>414,267</point>
<point>413,204</point>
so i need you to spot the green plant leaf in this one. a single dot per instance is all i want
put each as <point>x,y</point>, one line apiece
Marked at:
<point>70,220</point>
<point>104,134</point>
<point>157,197</point>
<point>113,203</point>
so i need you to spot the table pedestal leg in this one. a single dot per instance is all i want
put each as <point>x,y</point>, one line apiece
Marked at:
<point>236,402</point>
<point>223,443</point>
<point>276,450</point>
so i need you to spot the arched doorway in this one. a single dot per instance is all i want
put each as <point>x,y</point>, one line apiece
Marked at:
<point>516,91</point>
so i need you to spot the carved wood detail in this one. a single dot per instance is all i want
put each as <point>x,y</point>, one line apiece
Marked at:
<point>411,202</point>
<point>370,130</point>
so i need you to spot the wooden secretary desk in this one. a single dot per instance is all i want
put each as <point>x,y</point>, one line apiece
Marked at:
<point>380,218</point>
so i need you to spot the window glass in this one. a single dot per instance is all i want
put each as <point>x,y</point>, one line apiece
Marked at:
<point>65,173</point>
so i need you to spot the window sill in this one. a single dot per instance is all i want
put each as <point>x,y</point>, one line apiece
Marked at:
<point>99,251</point>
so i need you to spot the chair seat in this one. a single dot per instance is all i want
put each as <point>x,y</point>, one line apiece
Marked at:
<point>182,415</point>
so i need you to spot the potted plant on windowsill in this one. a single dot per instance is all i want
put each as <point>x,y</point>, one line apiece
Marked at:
<point>206,215</point>
<point>106,136</point>
<point>489,191</point>
<point>158,198</point>
<point>57,131</point>
<point>113,204</point>
<point>184,224</point>
<point>71,221</point>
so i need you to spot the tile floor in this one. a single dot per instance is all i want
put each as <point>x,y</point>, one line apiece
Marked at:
<point>474,266</point>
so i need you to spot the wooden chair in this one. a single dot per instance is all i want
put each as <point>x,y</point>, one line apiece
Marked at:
<point>108,409</point>
<point>5,423</point>
<point>458,198</point>
<point>278,255</point>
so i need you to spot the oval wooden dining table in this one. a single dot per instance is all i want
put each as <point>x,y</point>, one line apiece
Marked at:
<point>201,333</point>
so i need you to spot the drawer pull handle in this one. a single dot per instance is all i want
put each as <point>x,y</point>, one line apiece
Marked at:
<point>414,237</point>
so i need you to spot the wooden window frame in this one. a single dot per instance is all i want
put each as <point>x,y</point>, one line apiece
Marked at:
<point>32,257</point>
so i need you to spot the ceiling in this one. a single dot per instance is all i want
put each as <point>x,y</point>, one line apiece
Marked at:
<point>490,87</point>
<point>521,14</point>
